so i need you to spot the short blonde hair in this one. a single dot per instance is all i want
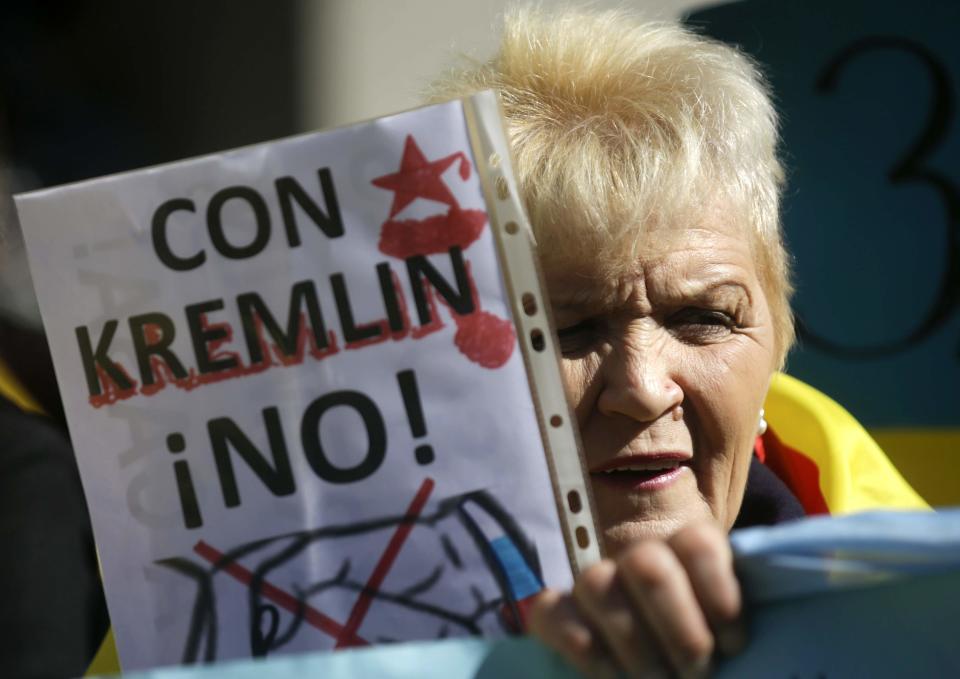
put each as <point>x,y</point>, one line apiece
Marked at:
<point>616,123</point>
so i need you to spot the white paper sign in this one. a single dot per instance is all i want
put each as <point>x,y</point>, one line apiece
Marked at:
<point>296,395</point>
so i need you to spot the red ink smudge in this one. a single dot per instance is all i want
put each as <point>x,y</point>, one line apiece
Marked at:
<point>320,353</point>
<point>485,339</point>
<point>160,370</point>
<point>162,374</point>
<point>111,391</point>
<point>381,336</point>
<point>433,235</point>
<point>482,337</point>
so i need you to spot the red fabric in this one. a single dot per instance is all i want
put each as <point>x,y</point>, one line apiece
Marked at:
<point>795,469</point>
<point>523,609</point>
<point>760,450</point>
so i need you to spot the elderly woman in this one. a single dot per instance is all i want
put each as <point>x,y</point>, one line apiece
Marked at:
<point>647,159</point>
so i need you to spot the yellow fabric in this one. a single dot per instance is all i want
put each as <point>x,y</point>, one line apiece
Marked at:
<point>12,390</point>
<point>106,660</point>
<point>928,458</point>
<point>855,474</point>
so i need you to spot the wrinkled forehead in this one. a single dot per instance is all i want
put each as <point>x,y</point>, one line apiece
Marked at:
<point>691,245</point>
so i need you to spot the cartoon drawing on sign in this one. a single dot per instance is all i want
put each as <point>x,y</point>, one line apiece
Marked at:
<point>469,533</point>
<point>481,336</point>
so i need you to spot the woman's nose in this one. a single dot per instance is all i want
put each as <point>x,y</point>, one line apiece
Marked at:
<point>639,384</point>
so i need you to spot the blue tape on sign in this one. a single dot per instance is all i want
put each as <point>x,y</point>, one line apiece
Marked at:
<point>523,582</point>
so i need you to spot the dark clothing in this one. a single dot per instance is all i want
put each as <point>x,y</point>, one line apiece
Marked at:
<point>52,612</point>
<point>767,500</point>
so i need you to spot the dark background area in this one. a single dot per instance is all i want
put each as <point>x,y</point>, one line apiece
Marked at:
<point>91,88</point>
<point>88,88</point>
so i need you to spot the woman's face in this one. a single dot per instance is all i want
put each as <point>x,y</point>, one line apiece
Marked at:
<point>667,369</point>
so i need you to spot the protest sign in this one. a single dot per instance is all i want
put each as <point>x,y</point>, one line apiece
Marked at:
<point>312,390</point>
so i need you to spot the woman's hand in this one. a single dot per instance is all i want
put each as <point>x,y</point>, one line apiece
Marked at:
<point>660,609</point>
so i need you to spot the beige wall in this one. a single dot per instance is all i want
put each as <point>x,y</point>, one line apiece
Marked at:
<point>365,58</point>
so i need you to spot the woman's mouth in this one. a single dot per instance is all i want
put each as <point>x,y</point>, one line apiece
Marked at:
<point>640,473</point>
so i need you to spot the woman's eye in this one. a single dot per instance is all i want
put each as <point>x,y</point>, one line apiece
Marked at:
<point>692,324</point>
<point>578,339</point>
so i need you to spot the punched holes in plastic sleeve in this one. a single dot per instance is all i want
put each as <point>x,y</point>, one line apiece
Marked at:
<point>503,191</point>
<point>573,502</point>
<point>583,537</point>
<point>529,304</point>
<point>537,340</point>
<point>511,228</point>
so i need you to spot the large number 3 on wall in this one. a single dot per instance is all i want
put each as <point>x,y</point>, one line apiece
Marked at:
<point>909,168</point>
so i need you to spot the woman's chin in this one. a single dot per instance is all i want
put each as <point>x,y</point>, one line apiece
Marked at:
<point>621,535</point>
<point>630,511</point>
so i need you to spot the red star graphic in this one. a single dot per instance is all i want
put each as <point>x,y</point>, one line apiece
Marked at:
<point>420,178</point>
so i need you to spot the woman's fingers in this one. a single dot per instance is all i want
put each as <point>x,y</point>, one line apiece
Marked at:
<point>661,609</point>
<point>705,554</point>
<point>555,620</point>
<point>599,596</point>
<point>659,587</point>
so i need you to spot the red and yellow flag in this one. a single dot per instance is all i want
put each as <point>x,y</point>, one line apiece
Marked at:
<point>826,457</point>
